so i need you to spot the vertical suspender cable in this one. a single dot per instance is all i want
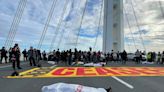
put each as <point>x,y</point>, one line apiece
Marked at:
<point>99,23</point>
<point>81,21</point>
<point>59,25</point>
<point>47,24</point>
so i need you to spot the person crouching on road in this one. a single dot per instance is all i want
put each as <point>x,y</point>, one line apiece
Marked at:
<point>31,56</point>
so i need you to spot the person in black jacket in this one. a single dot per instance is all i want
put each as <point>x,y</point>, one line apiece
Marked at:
<point>24,55</point>
<point>31,56</point>
<point>124,57</point>
<point>17,55</point>
<point>3,55</point>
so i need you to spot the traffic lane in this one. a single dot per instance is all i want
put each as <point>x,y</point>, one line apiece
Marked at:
<point>35,85</point>
<point>146,84</point>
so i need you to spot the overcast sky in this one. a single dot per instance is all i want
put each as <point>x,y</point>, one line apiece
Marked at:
<point>150,17</point>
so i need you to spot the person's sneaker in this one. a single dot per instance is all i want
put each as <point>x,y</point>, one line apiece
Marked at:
<point>109,89</point>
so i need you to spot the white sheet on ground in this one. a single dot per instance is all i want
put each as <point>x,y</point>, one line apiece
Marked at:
<point>146,62</point>
<point>64,87</point>
<point>95,64</point>
<point>51,62</point>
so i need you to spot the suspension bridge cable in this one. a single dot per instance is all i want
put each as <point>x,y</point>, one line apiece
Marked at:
<point>81,21</point>
<point>99,23</point>
<point>161,8</point>
<point>10,33</point>
<point>61,38</point>
<point>136,19</point>
<point>68,36</point>
<point>47,24</point>
<point>18,22</point>
<point>59,25</point>
<point>126,16</point>
<point>16,16</point>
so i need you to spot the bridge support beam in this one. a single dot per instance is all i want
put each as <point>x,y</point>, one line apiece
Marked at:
<point>113,35</point>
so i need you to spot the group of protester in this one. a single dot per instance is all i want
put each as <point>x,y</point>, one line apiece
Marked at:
<point>156,57</point>
<point>69,56</point>
<point>13,56</point>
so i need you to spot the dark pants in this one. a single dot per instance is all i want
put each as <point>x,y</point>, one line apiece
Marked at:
<point>18,61</point>
<point>137,60</point>
<point>124,60</point>
<point>32,61</point>
<point>69,61</point>
<point>25,58</point>
<point>13,65</point>
<point>3,57</point>
<point>162,61</point>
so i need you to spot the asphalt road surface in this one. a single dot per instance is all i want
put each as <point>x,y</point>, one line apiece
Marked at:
<point>118,84</point>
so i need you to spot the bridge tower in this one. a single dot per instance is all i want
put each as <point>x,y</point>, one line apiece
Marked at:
<point>113,35</point>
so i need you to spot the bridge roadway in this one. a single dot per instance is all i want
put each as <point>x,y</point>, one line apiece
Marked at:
<point>118,84</point>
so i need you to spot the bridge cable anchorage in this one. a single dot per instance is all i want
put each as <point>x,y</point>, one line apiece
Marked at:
<point>61,38</point>
<point>138,27</point>
<point>99,23</point>
<point>59,25</point>
<point>81,21</point>
<point>129,26</point>
<point>15,23</point>
<point>47,24</point>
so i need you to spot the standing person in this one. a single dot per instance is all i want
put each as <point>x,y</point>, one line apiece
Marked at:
<point>70,57</point>
<point>38,58</point>
<point>44,55</point>
<point>24,55</point>
<point>17,55</point>
<point>124,57</point>
<point>162,58</point>
<point>57,56</point>
<point>13,57</point>
<point>118,56</point>
<point>10,54</point>
<point>158,58</point>
<point>112,58</point>
<point>31,56</point>
<point>3,55</point>
<point>137,55</point>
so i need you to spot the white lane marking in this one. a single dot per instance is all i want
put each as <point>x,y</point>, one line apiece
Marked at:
<point>11,65</point>
<point>123,82</point>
